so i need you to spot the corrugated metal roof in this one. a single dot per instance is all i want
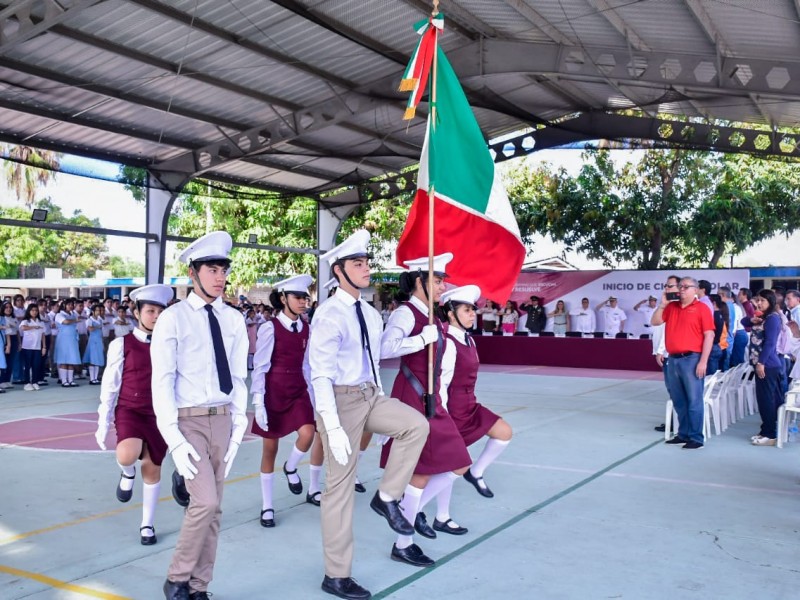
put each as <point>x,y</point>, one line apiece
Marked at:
<point>110,72</point>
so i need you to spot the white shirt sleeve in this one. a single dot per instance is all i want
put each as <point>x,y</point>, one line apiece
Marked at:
<point>112,375</point>
<point>325,341</point>
<point>395,341</point>
<point>448,369</point>
<point>164,354</point>
<point>262,360</point>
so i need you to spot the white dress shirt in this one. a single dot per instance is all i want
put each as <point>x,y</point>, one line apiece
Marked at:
<point>262,359</point>
<point>336,355</point>
<point>81,325</point>
<point>51,316</point>
<point>395,340</point>
<point>613,318</point>
<point>449,361</point>
<point>184,369</point>
<point>647,312</point>
<point>583,320</point>
<point>659,345</point>
<point>112,375</point>
<point>108,324</point>
<point>67,316</point>
<point>122,330</point>
<point>32,338</point>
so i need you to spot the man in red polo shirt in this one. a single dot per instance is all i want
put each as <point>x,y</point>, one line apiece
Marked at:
<point>689,335</point>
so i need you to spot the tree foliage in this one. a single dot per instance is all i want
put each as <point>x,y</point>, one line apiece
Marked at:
<point>672,207</point>
<point>28,251</point>
<point>23,176</point>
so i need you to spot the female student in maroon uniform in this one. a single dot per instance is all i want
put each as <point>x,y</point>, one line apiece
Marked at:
<point>279,387</point>
<point>459,373</point>
<point>127,384</point>
<point>444,457</point>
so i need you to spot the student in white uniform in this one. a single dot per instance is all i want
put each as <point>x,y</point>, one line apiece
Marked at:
<point>31,330</point>
<point>199,356</point>
<point>126,401</point>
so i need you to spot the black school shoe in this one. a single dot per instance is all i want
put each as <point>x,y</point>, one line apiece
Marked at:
<point>449,526</point>
<point>295,488</point>
<point>677,440</point>
<point>125,495</point>
<point>268,522</point>
<point>148,540</point>
<point>422,527</point>
<point>345,587</point>
<point>413,555</point>
<point>179,492</point>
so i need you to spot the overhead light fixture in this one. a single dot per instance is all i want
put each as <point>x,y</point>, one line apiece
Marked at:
<point>253,239</point>
<point>39,215</point>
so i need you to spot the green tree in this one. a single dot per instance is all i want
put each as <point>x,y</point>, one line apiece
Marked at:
<point>124,267</point>
<point>28,170</point>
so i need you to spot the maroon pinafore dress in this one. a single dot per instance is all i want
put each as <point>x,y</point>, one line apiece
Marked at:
<point>287,401</point>
<point>134,416</point>
<point>472,419</point>
<point>444,449</point>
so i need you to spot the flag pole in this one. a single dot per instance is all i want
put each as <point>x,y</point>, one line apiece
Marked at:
<point>431,194</point>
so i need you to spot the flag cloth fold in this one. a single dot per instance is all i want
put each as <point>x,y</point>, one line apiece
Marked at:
<point>473,217</point>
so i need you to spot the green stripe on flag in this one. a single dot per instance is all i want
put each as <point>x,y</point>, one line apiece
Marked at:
<point>460,164</point>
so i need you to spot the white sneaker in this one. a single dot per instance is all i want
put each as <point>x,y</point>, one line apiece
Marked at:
<point>28,387</point>
<point>764,441</point>
<point>6,385</point>
<point>35,386</point>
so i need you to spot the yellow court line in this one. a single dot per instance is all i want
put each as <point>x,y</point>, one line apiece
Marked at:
<point>52,439</point>
<point>60,585</point>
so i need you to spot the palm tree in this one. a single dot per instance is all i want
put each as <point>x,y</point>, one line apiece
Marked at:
<point>27,169</point>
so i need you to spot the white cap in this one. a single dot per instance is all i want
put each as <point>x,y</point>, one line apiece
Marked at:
<point>353,247</point>
<point>297,285</point>
<point>212,246</point>
<point>439,264</point>
<point>466,294</point>
<point>331,283</point>
<point>155,293</point>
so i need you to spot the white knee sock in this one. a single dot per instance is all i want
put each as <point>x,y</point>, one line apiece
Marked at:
<point>129,471</point>
<point>70,375</point>
<point>443,503</point>
<point>266,490</point>
<point>62,375</point>
<point>360,456</point>
<point>313,479</point>
<point>149,503</point>
<point>291,464</point>
<point>435,485</point>
<point>491,451</point>
<point>93,372</point>
<point>409,505</point>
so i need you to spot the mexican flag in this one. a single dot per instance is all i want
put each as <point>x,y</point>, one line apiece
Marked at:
<point>473,218</point>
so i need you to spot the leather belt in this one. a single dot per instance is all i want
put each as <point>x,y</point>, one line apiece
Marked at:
<point>682,354</point>
<point>204,411</point>
<point>345,389</point>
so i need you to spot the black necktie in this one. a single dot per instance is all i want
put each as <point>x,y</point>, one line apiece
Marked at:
<point>365,338</point>
<point>294,327</point>
<point>223,370</point>
<point>149,337</point>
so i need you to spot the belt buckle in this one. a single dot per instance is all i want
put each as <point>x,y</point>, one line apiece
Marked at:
<point>212,410</point>
<point>363,386</point>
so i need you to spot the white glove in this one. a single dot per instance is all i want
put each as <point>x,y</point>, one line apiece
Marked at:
<point>261,416</point>
<point>339,445</point>
<point>182,456</point>
<point>382,439</point>
<point>429,334</point>
<point>104,420</point>
<point>233,448</point>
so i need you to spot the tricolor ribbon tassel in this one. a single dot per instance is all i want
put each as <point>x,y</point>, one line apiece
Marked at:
<point>415,77</point>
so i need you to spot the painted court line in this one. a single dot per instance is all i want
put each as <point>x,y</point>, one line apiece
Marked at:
<point>60,585</point>
<point>511,522</point>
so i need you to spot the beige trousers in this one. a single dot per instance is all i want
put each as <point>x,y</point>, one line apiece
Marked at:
<point>364,410</point>
<point>196,549</point>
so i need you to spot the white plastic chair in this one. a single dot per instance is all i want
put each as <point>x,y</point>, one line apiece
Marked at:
<point>733,391</point>
<point>709,384</point>
<point>721,397</point>
<point>712,400</point>
<point>791,405</point>
<point>745,391</point>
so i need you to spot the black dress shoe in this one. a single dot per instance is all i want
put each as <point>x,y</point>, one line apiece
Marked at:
<point>483,490</point>
<point>345,587</point>
<point>270,522</point>
<point>295,488</point>
<point>422,527</point>
<point>449,526</point>
<point>125,495</point>
<point>176,590</point>
<point>692,445</point>
<point>179,491</point>
<point>662,428</point>
<point>392,513</point>
<point>314,498</point>
<point>676,440</point>
<point>360,487</point>
<point>148,540</point>
<point>412,555</point>
<point>199,596</point>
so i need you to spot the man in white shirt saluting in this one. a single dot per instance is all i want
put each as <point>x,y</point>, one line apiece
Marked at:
<point>344,355</point>
<point>199,355</point>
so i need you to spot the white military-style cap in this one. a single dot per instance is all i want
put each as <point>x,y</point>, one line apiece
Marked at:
<point>212,246</point>
<point>354,246</point>
<point>298,285</point>
<point>331,283</point>
<point>439,264</point>
<point>466,294</point>
<point>155,293</point>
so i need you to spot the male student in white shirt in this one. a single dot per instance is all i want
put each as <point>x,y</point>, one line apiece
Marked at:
<point>199,356</point>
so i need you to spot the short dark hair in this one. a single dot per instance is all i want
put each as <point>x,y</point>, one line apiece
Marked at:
<point>794,293</point>
<point>747,293</point>
<point>704,285</point>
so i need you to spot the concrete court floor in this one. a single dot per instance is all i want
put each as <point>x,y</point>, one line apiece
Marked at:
<point>589,504</point>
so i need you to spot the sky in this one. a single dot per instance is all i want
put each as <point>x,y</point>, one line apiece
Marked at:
<point>115,208</point>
